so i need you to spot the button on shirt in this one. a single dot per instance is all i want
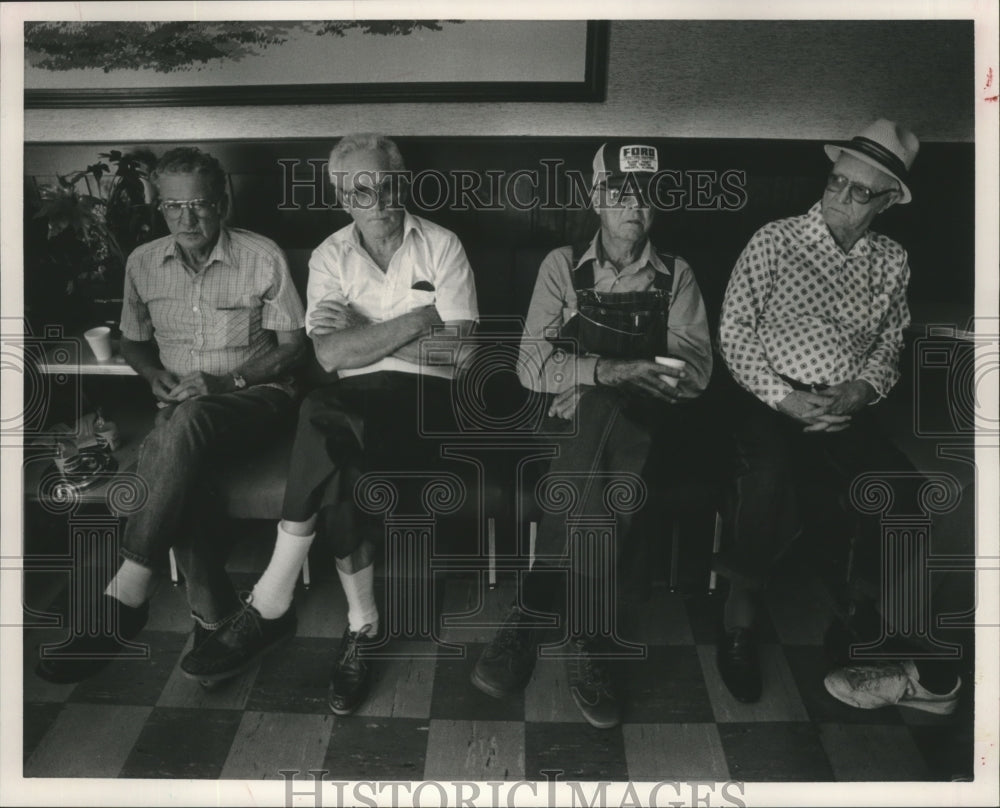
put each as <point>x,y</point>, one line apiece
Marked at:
<point>217,319</point>
<point>553,303</point>
<point>342,270</point>
<point>798,306</point>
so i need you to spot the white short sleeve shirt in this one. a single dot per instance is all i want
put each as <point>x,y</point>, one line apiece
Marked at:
<point>429,268</point>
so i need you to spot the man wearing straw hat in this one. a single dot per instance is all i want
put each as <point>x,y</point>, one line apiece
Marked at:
<point>812,329</point>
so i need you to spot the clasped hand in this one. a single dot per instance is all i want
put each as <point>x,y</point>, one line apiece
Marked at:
<point>828,410</point>
<point>170,388</point>
<point>638,374</point>
<point>641,375</point>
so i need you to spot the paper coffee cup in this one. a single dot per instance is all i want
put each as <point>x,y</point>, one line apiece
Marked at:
<point>99,340</point>
<point>670,362</point>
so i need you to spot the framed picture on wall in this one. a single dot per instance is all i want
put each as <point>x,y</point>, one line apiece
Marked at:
<point>98,64</point>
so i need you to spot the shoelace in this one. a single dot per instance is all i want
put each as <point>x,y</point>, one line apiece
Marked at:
<point>588,672</point>
<point>870,678</point>
<point>353,646</point>
<point>245,619</point>
<point>511,635</point>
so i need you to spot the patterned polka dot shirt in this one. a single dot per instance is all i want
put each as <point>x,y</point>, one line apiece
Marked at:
<point>798,306</point>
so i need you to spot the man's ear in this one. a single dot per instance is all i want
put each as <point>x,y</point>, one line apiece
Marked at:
<point>224,206</point>
<point>890,200</point>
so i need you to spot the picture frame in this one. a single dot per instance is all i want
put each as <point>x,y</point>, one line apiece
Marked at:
<point>430,78</point>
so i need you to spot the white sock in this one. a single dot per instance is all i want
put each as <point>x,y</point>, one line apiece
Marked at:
<point>272,594</point>
<point>359,587</point>
<point>132,584</point>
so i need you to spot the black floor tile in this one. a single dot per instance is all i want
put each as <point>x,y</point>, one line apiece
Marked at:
<point>377,749</point>
<point>294,677</point>
<point>947,742</point>
<point>135,681</point>
<point>578,751</point>
<point>809,667</point>
<point>667,687</point>
<point>38,718</point>
<point>457,699</point>
<point>181,743</point>
<point>775,751</point>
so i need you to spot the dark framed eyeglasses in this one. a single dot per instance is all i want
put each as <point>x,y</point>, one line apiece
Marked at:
<point>861,194</point>
<point>202,208</point>
<point>364,196</point>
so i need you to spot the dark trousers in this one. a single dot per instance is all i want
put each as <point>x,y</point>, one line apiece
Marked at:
<point>774,456</point>
<point>376,422</point>
<point>175,461</point>
<point>614,435</point>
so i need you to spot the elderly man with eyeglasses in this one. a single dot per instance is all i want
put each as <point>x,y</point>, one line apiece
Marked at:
<point>376,288</point>
<point>812,329</point>
<point>617,304</point>
<point>212,321</point>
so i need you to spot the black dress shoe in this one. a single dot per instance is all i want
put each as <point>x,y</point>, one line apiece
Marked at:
<point>238,643</point>
<point>350,679</point>
<point>507,662</point>
<point>591,686</point>
<point>200,635</point>
<point>738,663</point>
<point>86,654</point>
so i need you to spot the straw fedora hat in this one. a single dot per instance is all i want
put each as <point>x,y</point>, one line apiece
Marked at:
<point>889,147</point>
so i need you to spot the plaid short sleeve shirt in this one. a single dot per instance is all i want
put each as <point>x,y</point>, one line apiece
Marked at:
<point>217,319</point>
<point>798,307</point>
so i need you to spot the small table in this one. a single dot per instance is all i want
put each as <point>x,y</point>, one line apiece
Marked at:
<point>72,355</point>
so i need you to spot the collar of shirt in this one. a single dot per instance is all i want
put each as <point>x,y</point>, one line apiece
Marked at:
<point>410,225</point>
<point>814,230</point>
<point>221,252</point>
<point>648,256</point>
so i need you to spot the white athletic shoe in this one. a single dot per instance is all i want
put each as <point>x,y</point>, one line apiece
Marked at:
<point>881,684</point>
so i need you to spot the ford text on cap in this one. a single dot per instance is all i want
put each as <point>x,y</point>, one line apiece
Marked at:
<point>614,161</point>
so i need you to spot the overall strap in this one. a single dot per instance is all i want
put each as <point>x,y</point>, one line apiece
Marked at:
<point>583,275</point>
<point>664,281</point>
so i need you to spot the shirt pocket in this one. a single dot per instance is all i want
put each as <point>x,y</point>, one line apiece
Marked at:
<point>230,327</point>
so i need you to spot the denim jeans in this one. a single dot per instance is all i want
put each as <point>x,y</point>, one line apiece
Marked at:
<point>615,433</point>
<point>175,461</point>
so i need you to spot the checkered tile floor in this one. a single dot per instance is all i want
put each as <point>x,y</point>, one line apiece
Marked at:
<point>424,720</point>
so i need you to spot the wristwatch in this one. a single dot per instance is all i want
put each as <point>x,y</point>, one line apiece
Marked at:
<point>239,381</point>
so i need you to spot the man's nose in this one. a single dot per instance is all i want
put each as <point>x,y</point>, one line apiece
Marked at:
<point>844,194</point>
<point>188,215</point>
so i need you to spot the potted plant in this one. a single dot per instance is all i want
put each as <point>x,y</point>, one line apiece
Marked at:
<point>92,219</point>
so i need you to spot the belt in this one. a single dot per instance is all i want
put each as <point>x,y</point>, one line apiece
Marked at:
<point>802,387</point>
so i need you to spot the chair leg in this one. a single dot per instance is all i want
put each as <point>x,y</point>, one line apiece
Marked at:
<point>174,577</point>
<point>532,538</point>
<point>675,553</point>
<point>716,545</point>
<point>306,579</point>
<point>491,538</point>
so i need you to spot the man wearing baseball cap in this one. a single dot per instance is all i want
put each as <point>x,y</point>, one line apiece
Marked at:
<point>812,329</point>
<point>614,305</point>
